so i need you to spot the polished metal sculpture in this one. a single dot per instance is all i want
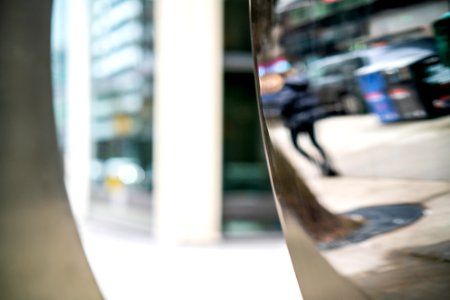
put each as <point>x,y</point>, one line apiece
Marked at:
<point>354,109</point>
<point>366,216</point>
<point>40,252</point>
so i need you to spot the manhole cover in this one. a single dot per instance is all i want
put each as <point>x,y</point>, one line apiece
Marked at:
<point>379,219</point>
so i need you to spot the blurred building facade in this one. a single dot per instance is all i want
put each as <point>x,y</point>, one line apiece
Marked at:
<point>122,71</point>
<point>248,204</point>
<point>122,77</point>
<point>327,27</point>
<point>244,167</point>
<point>121,37</point>
<point>59,66</point>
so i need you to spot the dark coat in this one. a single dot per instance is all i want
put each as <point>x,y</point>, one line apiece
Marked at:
<point>300,108</point>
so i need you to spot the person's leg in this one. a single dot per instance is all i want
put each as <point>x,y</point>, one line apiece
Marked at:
<point>325,165</point>
<point>312,135</point>
<point>294,134</point>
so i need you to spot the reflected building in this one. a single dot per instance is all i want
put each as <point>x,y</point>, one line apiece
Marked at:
<point>332,39</point>
<point>321,28</point>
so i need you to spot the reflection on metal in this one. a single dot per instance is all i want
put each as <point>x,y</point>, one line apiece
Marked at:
<point>316,278</point>
<point>356,126</point>
<point>377,220</point>
<point>40,252</point>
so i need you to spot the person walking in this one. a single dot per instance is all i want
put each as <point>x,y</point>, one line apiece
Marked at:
<point>300,111</point>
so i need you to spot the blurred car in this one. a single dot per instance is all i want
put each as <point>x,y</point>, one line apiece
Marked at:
<point>333,83</point>
<point>333,78</point>
<point>406,87</point>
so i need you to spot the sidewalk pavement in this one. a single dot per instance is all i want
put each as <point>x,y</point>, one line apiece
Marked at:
<point>409,263</point>
<point>129,264</point>
<point>387,164</point>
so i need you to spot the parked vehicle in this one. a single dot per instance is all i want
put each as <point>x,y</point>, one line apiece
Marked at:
<point>333,83</point>
<point>333,78</point>
<point>414,86</point>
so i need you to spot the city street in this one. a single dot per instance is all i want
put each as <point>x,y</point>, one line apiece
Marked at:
<point>380,165</point>
<point>130,264</point>
<point>362,146</point>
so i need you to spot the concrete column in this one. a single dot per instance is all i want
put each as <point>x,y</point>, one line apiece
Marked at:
<point>78,136</point>
<point>188,120</point>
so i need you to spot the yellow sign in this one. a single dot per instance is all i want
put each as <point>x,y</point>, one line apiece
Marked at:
<point>122,124</point>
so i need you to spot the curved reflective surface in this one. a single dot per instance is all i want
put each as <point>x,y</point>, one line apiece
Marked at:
<point>354,99</point>
<point>41,256</point>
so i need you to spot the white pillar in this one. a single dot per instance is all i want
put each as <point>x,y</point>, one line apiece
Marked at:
<point>188,120</point>
<point>78,138</point>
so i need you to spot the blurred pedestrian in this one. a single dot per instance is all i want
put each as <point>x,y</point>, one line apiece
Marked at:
<point>300,111</point>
